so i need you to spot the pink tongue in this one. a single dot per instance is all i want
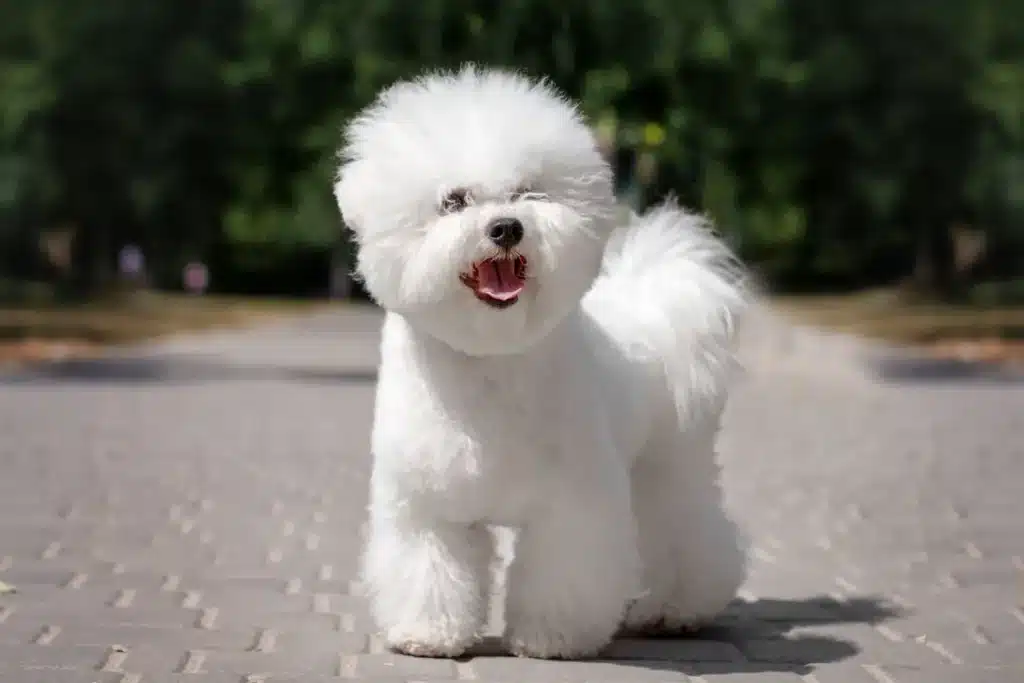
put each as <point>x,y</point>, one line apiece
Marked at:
<point>498,280</point>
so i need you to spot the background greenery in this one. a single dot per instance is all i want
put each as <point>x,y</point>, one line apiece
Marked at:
<point>840,144</point>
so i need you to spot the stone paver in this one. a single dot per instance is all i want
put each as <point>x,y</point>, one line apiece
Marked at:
<point>190,511</point>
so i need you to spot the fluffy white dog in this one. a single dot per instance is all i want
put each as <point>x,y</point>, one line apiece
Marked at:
<point>543,368</point>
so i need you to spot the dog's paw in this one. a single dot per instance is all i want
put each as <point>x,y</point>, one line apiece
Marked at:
<point>647,618</point>
<point>431,650</point>
<point>428,644</point>
<point>546,644</point>
<point>661,627</point>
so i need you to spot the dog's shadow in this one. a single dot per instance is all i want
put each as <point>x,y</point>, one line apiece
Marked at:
<point>750,637</point>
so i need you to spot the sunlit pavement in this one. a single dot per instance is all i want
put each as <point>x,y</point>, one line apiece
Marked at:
<point>190,510</point>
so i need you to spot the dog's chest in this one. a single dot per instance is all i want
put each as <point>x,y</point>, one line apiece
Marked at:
<point>498,441</point>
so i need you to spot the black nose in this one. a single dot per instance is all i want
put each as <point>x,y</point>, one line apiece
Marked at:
<point>505,232</point>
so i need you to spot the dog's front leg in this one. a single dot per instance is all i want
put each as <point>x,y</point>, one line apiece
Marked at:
<point>427,583</point>
<point>575,569</point>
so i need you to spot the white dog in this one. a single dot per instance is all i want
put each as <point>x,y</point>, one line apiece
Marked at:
<point>541,370</point>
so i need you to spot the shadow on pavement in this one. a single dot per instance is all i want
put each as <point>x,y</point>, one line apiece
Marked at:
<point>922,369</point>
<point>764,632</point>
<point>177,370</point>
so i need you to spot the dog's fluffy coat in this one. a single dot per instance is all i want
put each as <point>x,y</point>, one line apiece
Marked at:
<point>584,415</point>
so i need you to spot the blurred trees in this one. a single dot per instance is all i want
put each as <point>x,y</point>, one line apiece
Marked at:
<point>116,126</point>
<point>839,144</point>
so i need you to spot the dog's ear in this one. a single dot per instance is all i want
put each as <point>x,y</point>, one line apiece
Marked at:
<point>350,195</point>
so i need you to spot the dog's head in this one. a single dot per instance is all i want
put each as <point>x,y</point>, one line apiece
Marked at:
<point>481,206</point>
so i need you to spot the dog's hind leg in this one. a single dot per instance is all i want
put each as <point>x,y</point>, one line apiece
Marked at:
<point>693,553</point>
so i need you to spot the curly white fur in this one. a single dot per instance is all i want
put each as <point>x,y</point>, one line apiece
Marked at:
<point>583,416</point>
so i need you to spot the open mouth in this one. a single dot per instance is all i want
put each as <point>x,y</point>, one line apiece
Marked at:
<point>497,282</point>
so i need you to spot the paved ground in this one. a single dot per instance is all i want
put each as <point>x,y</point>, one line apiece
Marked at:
<point>191,513</point>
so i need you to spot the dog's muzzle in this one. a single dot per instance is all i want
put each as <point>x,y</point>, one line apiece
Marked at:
<point>505,232</point>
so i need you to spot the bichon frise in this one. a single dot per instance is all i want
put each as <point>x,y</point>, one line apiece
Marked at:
<point>542,369</point>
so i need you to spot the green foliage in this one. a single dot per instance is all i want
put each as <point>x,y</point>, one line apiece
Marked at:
<point>836,143</point>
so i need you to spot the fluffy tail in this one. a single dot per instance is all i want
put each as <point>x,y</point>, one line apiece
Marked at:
<point>671,293</point>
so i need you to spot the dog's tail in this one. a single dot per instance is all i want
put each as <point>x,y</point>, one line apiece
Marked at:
<point>671,293</point>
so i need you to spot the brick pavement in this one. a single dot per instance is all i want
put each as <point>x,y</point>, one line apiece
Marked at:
<point>190,512</point>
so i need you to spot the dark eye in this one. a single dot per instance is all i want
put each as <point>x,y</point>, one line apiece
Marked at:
<point>455,201</point>
<point>525,193</point>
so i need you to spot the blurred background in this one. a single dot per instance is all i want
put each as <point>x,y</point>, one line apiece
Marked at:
<point>168,165</point>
